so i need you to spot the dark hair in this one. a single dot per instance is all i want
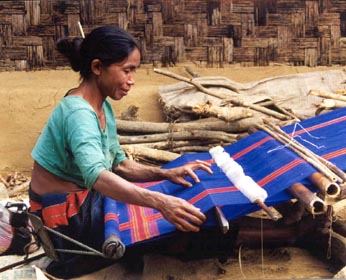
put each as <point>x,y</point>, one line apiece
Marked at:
<point>108,43</point>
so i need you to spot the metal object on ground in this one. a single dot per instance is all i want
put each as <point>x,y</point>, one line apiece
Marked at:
<point>223,223</point>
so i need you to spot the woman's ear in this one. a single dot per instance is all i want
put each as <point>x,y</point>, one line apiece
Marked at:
<point>96,66</point>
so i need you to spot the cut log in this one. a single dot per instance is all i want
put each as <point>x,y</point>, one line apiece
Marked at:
<point>19,189</point>
<point>168,145</point>
<point>153,154</point>
<point>332,104</point>
<point>225,113</point>
<point>328,95</point>
<point>211,124</point>
<point>180,135</point>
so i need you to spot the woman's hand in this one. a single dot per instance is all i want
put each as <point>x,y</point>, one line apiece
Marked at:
<point>177,175</point>
<point>185,216</point>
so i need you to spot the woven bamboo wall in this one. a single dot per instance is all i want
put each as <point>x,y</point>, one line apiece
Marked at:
<point>212,32</point>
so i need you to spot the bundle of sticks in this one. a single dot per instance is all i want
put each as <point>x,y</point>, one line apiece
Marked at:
<point>158,143</point>
<point>213,124</point>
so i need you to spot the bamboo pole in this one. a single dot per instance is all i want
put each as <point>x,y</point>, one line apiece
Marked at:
<point>312,202</point>
<point>326,186</point>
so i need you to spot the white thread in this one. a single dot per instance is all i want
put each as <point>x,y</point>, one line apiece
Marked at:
<point>235,174</point>
<point>298,136</point>
<point>302,127</point>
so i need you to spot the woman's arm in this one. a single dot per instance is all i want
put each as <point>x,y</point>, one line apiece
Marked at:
<point>185,216</point>
<point>136,172</point>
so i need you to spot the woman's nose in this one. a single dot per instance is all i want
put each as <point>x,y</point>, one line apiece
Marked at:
<point>131,81</point>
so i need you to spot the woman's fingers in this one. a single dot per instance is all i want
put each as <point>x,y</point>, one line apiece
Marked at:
<point>190,219</point>
<point>182,214</point>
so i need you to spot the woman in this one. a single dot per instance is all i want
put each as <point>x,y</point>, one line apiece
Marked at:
<point>78,159</point>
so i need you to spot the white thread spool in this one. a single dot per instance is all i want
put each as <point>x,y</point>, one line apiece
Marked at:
<point>235,173</point>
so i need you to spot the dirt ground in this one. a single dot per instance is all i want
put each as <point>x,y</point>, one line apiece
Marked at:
<point>27,98</point>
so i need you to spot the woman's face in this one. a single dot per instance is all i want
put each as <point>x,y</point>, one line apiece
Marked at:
<point>116,80</point>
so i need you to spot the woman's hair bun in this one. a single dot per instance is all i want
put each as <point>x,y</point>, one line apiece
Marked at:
<point>70,49</point>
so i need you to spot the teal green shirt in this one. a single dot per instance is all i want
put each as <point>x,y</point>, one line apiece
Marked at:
<point>73,145</point>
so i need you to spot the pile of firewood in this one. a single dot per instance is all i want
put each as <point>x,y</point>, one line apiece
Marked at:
<point>16,184</point>
<point>222,120</point>
<point>203,112</point>
<point>165,141</point>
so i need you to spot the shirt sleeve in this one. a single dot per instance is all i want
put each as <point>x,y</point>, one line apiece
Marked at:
<point>84,139</point>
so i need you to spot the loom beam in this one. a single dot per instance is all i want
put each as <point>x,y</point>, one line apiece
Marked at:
<point>326,186</point>
<point>312,202</point>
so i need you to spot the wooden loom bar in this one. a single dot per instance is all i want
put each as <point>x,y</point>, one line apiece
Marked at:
<point>303,149</point>
<point>315,163</point>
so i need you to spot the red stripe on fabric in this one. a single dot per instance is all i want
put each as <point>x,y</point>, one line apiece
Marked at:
<point>206,192</point>
<point>227,189</point>
<point>34,205</point>
<point>58,214</point>
<point>267,179</point>
<point>300,131</point>
<point>335,154</point>
<point>278,172</point>
<point>74,202</point>
<point>317,126</point>
<point>142,223</point>
<point>111,217</point>
<point>55,215</point>
<point>139,227</point>
<point>251,147</point>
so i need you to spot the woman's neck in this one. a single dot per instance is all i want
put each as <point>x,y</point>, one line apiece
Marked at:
<point>89,91</point>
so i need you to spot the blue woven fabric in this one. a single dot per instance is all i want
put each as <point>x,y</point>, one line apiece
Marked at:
<point>272,165</point>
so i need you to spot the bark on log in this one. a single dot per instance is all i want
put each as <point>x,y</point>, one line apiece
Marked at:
<point>226,113</point>
<point>332,104</point>
<point>169,145</point>
<point>211,124</point>
<point>187,149</point>
<point>181,135</point>
<point>189,81</point>
<point>328,95</point>
<point>258,108</point>
<point>197,85</point>
<point>153,154</point>
<point>19,189</point>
